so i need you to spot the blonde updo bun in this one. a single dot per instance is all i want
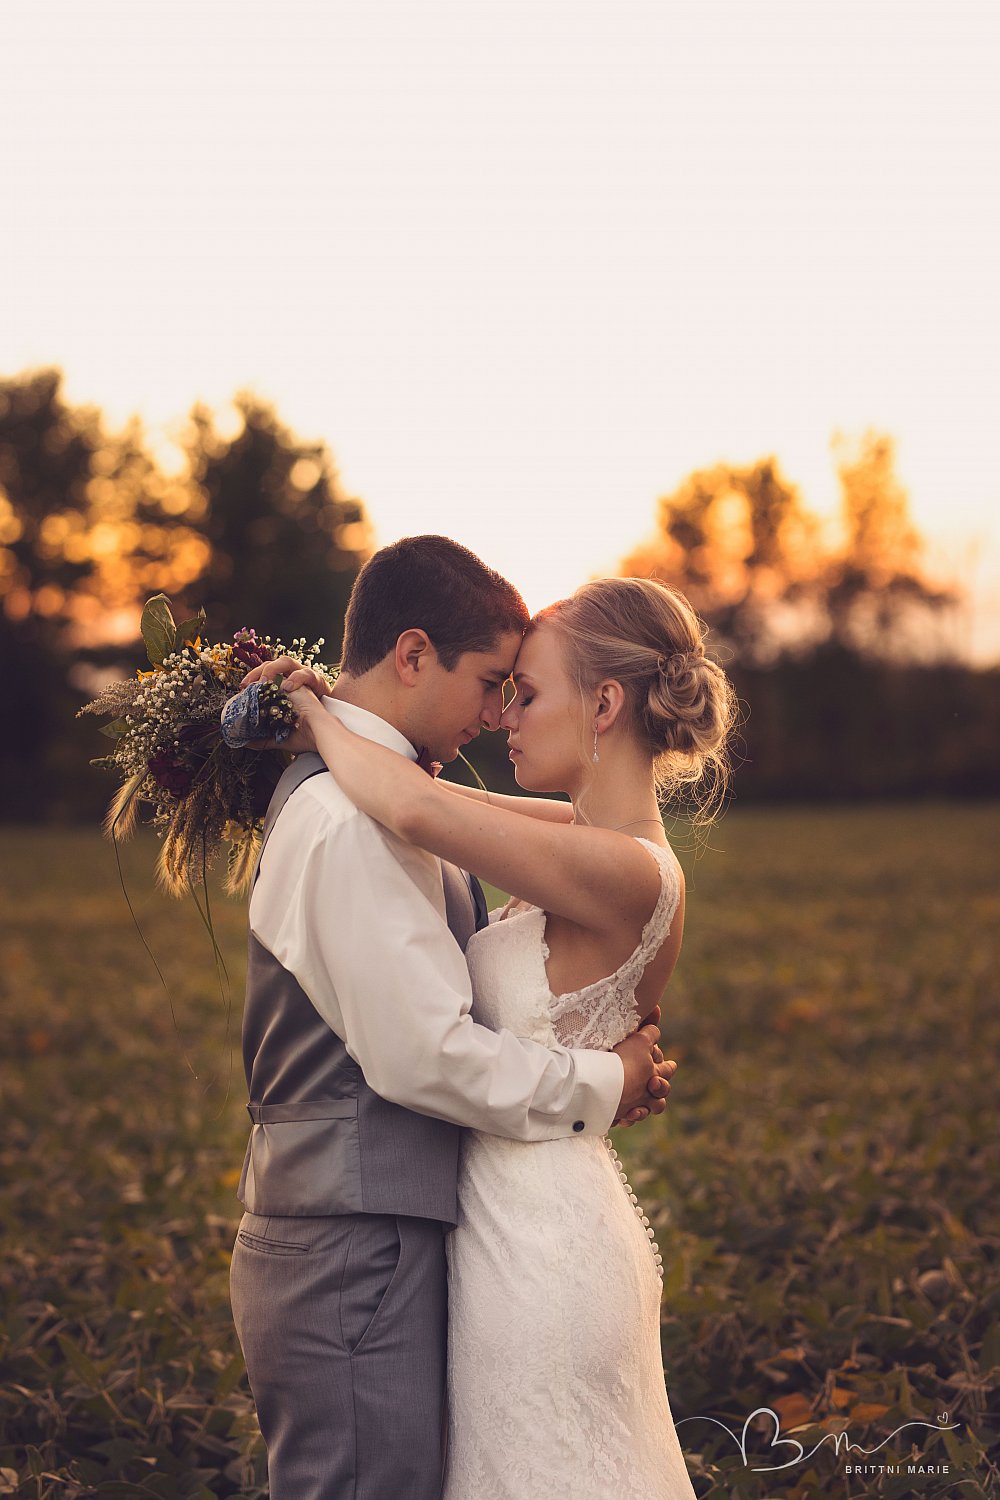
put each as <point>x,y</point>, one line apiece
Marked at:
<point>679,701</point>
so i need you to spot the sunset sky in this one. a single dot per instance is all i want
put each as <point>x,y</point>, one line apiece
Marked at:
<point>524,264</point>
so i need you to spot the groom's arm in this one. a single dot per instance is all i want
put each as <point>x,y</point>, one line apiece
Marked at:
<point>357,917</point>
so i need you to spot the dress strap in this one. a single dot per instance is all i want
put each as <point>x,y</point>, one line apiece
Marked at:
<point>657,929</point>
<point>626,978</point>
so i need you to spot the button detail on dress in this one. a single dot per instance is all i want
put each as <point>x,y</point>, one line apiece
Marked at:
<point>636,1205</point>
<point>577,1124</point>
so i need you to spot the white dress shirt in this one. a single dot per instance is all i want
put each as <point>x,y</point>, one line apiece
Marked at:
<point>358,917</point>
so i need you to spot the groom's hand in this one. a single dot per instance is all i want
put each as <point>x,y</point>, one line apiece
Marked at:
<point>647,1073</point>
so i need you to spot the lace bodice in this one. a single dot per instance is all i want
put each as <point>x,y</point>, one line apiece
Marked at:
<point>511,988</point>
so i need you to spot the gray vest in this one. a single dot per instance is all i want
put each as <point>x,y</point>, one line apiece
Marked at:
<point>322,1141</point>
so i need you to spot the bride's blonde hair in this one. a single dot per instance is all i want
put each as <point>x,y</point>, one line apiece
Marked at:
<point>678,700</point>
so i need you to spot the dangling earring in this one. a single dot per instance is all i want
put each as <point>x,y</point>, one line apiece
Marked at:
<point>596,756</point>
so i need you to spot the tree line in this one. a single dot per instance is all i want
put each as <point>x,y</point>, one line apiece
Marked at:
<point>844,653</point>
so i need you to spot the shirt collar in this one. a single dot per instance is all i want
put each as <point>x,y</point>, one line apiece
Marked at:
<point>370,726</point>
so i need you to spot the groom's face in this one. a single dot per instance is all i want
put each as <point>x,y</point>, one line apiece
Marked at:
<point>456,705</point>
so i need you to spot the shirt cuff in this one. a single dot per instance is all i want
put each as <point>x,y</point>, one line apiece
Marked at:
<point>600,1078</point>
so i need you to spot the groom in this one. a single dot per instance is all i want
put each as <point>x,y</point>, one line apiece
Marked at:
<point>363,1062</point>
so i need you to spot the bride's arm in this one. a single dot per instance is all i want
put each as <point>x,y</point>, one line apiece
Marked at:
<point>533,807</point>
<point>593,876</point>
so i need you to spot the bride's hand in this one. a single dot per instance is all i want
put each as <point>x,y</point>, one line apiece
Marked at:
<point>294,673</point>
<point>310,686</point>
<point>304,700</point>
<point>307,705</point>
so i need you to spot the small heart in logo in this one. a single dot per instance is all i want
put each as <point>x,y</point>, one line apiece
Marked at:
<point>776,1441</point>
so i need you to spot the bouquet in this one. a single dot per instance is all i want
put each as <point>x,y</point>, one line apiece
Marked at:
<point>204,788</point>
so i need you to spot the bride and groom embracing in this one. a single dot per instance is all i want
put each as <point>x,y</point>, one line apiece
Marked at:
<point>442,1284</point>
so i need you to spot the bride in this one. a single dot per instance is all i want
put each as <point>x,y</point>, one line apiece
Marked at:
<point>556,1382</point>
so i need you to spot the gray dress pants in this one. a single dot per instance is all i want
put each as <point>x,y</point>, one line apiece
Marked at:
<point>343,1324</point>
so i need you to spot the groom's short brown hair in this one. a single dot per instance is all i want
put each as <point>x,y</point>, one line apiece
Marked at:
<point>428,583</point>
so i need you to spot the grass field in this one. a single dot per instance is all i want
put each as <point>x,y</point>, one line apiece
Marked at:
<point>823,1186</point>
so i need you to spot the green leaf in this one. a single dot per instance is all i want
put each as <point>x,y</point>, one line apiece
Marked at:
<point>158,629</point>
<point>229,1377</point>
<point>80,1364</point>
<point>106,762</point>
<point>115,729</point>
<point>191,628</point>
<point>989,1357</point>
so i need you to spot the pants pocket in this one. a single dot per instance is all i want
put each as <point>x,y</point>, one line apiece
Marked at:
<point>373,1261</point>
<point>270,1247</point>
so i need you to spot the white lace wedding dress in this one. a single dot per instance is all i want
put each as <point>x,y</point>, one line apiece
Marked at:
<point>555,1375</point>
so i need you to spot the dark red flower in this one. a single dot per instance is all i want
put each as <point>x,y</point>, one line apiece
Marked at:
<point>170,773</point>
<point>249,651</point>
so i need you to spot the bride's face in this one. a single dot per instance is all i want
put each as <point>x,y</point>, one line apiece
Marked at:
<point>545,719</point>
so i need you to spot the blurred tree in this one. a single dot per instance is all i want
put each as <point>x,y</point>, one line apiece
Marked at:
<point>144,536</point>
<point>88,526</point>
<point>284,545</point>
<point>878,600</point>
<point>740,544</point>
<point>254,526</point>
<point>47,454</point>
<point>88,523</point>
<point>752,559</point>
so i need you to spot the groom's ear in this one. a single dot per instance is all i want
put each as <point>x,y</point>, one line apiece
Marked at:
<point>414,653</point>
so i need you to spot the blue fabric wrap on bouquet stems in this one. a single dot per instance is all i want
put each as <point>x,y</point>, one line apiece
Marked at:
<point>240,719</point>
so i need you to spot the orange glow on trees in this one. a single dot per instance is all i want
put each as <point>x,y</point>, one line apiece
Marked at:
<point>761,569</point>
